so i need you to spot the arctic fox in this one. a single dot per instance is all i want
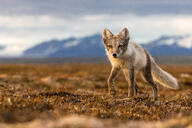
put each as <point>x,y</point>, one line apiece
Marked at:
<point>131,57</point>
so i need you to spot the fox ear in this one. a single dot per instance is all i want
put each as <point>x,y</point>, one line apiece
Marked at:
<point>124,34</point>
<point>106,34</point>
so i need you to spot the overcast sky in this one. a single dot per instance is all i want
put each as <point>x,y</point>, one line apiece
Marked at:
<point>24,23</point>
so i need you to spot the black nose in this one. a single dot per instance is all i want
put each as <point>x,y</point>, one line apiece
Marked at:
<point>114,55</point>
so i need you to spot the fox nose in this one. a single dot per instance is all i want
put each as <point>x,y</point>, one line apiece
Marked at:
<point>114,55</point>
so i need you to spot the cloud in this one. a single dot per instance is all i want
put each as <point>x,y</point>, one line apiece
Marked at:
<point>21,32</point>
<point>24,23</point>
<point>96,17</point>
<point>71,8</point>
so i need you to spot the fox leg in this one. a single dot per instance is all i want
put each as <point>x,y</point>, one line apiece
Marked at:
<point>149,78</point>
<point>126,74</point>
<point>147,73</point>
<point>130,77</point>
<point>136,89</point>
<point>112,76</point>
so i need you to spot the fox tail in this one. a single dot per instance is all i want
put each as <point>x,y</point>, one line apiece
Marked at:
<point>163,77</point>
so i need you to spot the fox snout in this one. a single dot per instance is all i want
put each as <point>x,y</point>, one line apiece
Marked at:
<point>115,52</point>
<point>114,55</point>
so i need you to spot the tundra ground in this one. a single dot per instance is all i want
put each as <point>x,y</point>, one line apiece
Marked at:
<point>53,92</point>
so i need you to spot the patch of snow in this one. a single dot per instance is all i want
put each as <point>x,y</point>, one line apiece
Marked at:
<point>71,44</point>
<point>182,41</point>
<point>50,50</point>
<point>186,42</point>
<point>167,42</point>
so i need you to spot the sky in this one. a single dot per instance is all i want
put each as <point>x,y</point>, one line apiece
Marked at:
<point>25,23</point>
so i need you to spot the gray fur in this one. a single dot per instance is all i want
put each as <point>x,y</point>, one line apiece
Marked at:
<point>147,73</point>
<point>163,77</point>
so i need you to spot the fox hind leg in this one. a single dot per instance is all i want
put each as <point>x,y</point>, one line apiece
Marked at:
<point>147,73</point>
<point>136,89</point>
<point>148,77</point>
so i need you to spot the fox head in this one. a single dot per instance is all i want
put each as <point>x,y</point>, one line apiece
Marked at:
<point>116,45</point>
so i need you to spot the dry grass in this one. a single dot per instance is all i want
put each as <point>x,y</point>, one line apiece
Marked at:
<point>51,92</point>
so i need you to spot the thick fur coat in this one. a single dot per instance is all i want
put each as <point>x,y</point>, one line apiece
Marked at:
<point>130,57</point>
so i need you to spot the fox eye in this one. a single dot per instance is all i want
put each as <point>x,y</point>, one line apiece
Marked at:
<point>109,46</point>
<point>120,46</point>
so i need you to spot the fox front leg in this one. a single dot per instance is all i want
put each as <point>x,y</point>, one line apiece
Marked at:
<point>112,76</point>
<point>127,77</point>
<point>130,77</point>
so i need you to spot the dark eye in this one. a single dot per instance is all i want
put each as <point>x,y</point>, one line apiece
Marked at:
<point>109,46</point>
<point>120,46</point>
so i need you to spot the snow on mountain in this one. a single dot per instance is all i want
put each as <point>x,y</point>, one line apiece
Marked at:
<point>92,46</point>
<point>182,41</point>
<point>85,47</point>
<point>186,42</point>
<point>71,44</point>
<point>170,45</point>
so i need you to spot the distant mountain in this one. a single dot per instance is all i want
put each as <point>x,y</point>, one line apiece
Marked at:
<point>170,45</point>
<point>91,46</point>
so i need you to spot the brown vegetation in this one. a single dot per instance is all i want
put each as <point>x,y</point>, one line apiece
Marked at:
<point>52,92</point>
